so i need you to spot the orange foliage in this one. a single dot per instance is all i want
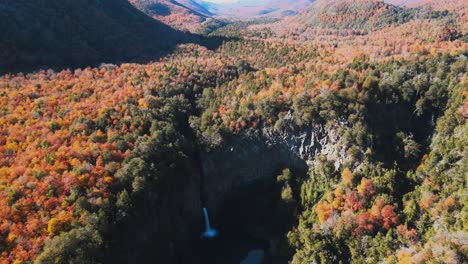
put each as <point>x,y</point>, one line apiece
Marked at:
<point>323,211</point>
<point>58,133</point>
<point>347,177</point>
<point>366,188</point>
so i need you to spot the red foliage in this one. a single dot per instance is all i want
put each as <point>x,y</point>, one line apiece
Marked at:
<point>50,143</point>
<point>388,216</point>
<point>407,234</point>
<point>365,223</point>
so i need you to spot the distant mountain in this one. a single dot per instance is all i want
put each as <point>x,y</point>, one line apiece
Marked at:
<point>181,14</point>
<point>404,2</point>
<point>459,6</point>
<point>412,3</point>
<point>194,6</point>
<point>357,14</point>
<point>258,8</point>
<point>78,32</point>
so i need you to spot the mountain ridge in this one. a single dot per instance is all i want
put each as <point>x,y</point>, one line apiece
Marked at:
<point>364,15</point>
<point>180,14</point>
<point>76,33</point>
<point>252,9</point>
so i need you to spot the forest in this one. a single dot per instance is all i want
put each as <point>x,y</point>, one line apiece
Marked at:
<point>113,163</point>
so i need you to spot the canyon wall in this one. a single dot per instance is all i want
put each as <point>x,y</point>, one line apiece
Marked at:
<point>262,154</point>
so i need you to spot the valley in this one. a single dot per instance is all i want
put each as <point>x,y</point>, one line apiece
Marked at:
<point>313,132</point>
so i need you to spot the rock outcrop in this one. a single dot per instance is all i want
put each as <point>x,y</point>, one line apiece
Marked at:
<point>261,154</point>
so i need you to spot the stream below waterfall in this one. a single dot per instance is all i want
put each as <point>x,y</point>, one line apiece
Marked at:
<point>247,227</point>
<point>237,249</point>
<point>233,248</point>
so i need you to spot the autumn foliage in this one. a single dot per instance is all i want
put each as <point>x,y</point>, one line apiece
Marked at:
<point>65,134</point>
<point>380,101</point>
<point>349,204</point>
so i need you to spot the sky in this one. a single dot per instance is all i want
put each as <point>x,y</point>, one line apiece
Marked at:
<point>221,1</point>
<point>230,1</point>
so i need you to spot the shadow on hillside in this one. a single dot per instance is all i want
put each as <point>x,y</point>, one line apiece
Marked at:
<point>74,34</point>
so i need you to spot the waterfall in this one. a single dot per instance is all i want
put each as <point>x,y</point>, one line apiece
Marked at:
<point>207,219</point>
<point>209,232</point>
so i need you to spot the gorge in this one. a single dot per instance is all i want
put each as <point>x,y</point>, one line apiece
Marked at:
<point>157,131</point>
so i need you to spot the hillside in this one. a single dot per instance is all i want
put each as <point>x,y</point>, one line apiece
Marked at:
<point>73,33</point>
<point>438,4</point>
<point>181,14</point>
<point>460,8</point>
<point>357,15</point>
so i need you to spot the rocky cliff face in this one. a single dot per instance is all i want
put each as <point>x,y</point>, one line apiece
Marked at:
<point>257,155</point>
<point>241,165</point>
